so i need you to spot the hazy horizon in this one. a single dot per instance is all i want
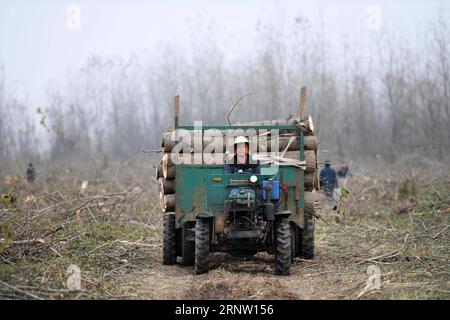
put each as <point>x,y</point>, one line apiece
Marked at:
<point>37,47</point>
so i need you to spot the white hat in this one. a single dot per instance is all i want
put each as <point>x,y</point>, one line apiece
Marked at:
<point>240,139</point>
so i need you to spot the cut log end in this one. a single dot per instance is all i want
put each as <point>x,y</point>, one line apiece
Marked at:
<point>310,181</point>
<point>167,202</point>
<point>168,168</point>
<point>167,186</point>
<point>311,143</point>
<point>169,172</point>
<point>311,202</point>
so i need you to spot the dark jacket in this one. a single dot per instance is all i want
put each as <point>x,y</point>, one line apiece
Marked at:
<point>342,172</point>
<point>30,174</point>
<point>328,179</point>
<point>245,167</point>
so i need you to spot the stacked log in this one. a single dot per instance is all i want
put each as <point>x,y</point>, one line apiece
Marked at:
<point>310,181</point>
<point>310,142</point>
<point>167,202</point>
<point>290,145</point>
<point>309,156</point>
<point>311,202</point>
<point>311,174</point>
<point>306,124</point>
<point>165,173</point>
<point>167,186</point>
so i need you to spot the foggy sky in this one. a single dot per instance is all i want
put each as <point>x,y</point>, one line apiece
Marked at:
<point>36,46</point>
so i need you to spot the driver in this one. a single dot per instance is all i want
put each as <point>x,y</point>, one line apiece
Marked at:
<point>241,160</point>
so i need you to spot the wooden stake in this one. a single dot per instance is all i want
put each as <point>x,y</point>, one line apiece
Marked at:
<point>177,109</point>
<point>302,102</point>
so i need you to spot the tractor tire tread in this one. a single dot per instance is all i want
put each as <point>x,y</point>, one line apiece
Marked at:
<point>169,239</point>
<point>202,245</point>
<point>307,238</point>
<point>283,248</point>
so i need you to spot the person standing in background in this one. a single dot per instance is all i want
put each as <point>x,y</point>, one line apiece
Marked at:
<point>343,171</point>
<point>30,173</point>
<point>328,179</point>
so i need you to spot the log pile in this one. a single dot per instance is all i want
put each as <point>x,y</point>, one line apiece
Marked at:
<point>288,145</point>
<point>165,173</point>
<point>311,173</point>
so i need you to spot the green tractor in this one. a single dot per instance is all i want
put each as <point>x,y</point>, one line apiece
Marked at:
<point>207,209</point>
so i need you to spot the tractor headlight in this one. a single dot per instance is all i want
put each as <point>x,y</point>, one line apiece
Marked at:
<point>253,179</point>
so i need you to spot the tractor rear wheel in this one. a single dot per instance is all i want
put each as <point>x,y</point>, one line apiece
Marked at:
<point>169,240</point>
<point>307,238</point>
<point>202,245</point>
<point>295,241</point>
<point>188,244</point>
<point>282,247</point>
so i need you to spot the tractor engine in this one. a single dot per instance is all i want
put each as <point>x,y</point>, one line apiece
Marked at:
<point>242,215</point>
<point>249,211</point>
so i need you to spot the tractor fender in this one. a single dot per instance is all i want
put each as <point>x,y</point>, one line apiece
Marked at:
<point>204,215</point>
<point>282,214</point>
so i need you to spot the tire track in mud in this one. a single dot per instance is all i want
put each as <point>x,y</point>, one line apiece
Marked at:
<point>232,278</point>
<point>327,276</point>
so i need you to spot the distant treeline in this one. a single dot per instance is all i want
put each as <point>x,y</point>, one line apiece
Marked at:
<point>387,99</point>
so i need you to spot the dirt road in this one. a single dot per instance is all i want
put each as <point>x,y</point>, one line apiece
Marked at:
<point>325,277</point>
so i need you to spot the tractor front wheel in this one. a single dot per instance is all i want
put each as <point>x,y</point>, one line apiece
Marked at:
<point>307,238</point>
<point>282,247</point>
<point>202,245</point>
<point>295,241</point>
<point>169,239</point>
